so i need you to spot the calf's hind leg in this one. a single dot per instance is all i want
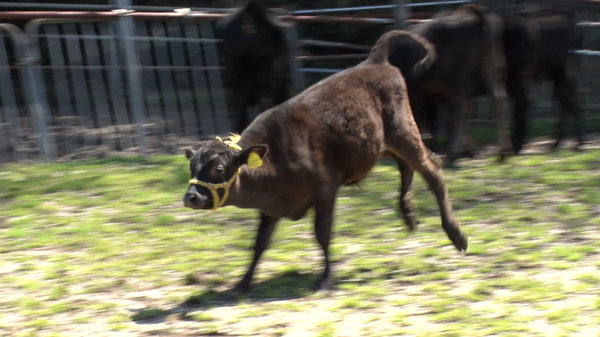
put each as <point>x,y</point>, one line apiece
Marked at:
<point>324,203</point>
<point>406,205</point>
<point>416,155</point>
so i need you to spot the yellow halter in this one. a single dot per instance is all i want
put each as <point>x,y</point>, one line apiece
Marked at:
<point>254,161</point>
<point>213,188</point>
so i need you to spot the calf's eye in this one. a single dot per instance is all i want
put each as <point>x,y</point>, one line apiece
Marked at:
<point>219,169</point>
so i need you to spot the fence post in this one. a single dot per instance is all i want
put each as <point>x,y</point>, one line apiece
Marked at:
<point>28,59</point>
<point>401,13</point>
<point>134,75</point>
<point>12,127</point>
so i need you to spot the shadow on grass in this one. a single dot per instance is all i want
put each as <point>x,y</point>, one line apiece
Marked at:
<point>288,285</point>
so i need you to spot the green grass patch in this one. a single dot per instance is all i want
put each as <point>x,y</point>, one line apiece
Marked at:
<point>108,241</point>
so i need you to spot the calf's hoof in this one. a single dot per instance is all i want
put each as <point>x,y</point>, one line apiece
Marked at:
<point>460,241</point>
<point>241,288</point>
<point>410,221</point>
<point>324,284</point>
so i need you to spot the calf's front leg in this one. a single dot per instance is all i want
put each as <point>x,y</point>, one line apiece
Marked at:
<point>263,236</point>
<point>324,204</point>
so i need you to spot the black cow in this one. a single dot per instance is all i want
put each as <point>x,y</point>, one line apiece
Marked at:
<point>470,62</point>
<point>537,47</point>
<point>330,135</point>
<point>256,57</point>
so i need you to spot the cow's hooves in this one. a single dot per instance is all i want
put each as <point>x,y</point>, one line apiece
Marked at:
<point>240,289</point>
<point>411,223</point>
<point>517,148</point>
<point>324,284</point>
<point>450,163</point>
<point>505,155</point>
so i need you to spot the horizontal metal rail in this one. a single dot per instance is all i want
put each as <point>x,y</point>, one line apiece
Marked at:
<point>87,7</point>
<point>437,3</point>
<point>586,52</point>
<point>336,19</point>
<point>135,38</point>
<point>588,24</point>
<point>122,68</point>
<point>177,15</point>
<point>343,10</point>
<point>321,43</point>
<point>320,70</point>
<point>377,7</point>
<point>330,57</point>
<point>108,15</point>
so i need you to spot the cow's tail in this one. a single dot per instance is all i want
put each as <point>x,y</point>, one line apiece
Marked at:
<point>407,51</point>
<point>492,29</point>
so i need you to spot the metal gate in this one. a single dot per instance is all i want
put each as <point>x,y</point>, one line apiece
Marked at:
<point>105,85</point>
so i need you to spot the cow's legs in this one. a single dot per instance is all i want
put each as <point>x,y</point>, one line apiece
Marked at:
<point>324,204</point>
<point>417,156</point>
<point>499,99</point>
<point>240,108</point>
<point>521,105</point>
<point>568,106</point>
<point>265,231</point>
<point>499,109</point>
<point>406,205</point>
<point>457,128</point>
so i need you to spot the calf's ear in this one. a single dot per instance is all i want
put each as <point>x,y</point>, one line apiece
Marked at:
<point>189,153</point>
<point>252,156</point>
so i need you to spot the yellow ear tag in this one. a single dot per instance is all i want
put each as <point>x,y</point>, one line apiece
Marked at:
<point>254,160</point>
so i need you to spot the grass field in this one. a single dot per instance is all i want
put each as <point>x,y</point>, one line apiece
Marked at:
<point>105,248</point>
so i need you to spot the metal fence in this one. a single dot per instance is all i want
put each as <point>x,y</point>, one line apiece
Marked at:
<point>74,87</point>
<point>78,84</point>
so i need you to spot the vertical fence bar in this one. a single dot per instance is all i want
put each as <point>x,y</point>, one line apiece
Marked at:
<point>61,90</point>
<point>97,84</point>
<point>206,121</point>
<point>116,90</point>
<point>298,82</point>
<point>181,78</point>
<point>151,92</point>
<point>401,13</point>
<point>78,84</point>
<point>29,57</point>
<point>11,130</point>
<point>134,75</point>
<point>38,109</point>
<point>165,76</point>
<point>215,82</point>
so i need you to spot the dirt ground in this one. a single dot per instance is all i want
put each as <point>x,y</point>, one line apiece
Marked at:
<point>278,316</point>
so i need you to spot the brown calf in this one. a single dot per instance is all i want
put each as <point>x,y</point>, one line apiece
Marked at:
<point>330,135</point>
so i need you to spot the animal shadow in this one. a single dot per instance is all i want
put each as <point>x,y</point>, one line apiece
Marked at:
<point>287,285</point>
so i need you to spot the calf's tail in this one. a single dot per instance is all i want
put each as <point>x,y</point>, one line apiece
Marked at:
<point>407,51</point>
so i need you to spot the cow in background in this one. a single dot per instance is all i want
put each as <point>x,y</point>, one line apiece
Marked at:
<point>536,46</point>
<point>257,60</point>
<point>470,62</point>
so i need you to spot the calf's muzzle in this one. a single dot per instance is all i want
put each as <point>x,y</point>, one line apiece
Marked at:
<point>195,200</point>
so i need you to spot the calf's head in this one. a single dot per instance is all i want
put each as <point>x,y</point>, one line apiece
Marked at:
<point>214,167</point>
